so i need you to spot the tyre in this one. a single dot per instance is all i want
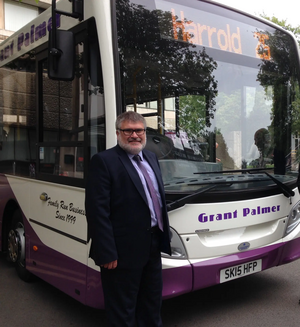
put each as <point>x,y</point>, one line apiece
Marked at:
<point>16,246</point>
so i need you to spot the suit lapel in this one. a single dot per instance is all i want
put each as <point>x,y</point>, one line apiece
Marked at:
<point>131,172</point>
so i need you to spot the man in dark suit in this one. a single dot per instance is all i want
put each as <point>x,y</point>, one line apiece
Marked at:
<point>128,225</point>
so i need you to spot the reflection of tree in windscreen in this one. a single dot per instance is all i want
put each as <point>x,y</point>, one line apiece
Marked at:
<point>155,66</point>
<point>280,72</point>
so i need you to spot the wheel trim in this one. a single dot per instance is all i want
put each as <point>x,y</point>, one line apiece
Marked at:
<point>16,245</point>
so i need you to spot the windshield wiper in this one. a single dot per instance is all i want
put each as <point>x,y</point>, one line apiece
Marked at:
<point>248,170</point>
<point>181,202</point>
<point>285,189</point>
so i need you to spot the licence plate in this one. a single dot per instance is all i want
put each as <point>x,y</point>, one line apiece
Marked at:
<point>238,271</point>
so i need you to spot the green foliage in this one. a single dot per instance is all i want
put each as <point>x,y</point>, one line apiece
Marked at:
<point>283,23</point>
<point>192,115</point>
<point>281,73</point>
<point>296,112</point>
<point>154,64</point>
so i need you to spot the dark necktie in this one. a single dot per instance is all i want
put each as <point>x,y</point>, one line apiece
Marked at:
<point>151,189</point>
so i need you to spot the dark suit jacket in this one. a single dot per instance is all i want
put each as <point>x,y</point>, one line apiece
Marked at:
<point>117,210</point>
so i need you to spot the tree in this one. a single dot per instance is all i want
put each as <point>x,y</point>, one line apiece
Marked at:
<point>156,66</point>
<point>281,72</point>
<point>296,103</point>
<point>283,23</point>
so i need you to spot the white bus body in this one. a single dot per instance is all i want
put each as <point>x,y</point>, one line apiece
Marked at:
<point>220,93</point>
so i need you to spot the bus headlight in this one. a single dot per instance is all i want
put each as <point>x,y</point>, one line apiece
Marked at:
<point>177,247</point>
<point>294,219</point>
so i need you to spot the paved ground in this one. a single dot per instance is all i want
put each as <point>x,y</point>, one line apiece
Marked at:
<point>267,299</point>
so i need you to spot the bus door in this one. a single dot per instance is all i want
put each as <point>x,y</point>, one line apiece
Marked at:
<point>59,250</point>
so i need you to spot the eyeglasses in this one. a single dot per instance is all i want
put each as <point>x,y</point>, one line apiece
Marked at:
<point>129,131</point>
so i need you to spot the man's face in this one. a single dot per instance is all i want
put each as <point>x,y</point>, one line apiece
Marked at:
<point>132,144</point>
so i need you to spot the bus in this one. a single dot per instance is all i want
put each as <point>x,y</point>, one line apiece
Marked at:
<point>220,93</point>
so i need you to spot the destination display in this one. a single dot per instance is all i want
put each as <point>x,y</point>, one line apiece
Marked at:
<point>213,31</point>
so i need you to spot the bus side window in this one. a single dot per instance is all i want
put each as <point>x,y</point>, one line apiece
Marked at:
<point>18,118</point>
<point>62,123</point>
<point>62,161</point>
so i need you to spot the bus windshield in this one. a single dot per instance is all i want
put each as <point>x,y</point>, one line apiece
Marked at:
<point>219,91</point>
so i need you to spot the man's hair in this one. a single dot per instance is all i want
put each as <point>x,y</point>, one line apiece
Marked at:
<point>131,116</point>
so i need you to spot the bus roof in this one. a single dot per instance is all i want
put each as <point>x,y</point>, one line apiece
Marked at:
<point>36,32</point>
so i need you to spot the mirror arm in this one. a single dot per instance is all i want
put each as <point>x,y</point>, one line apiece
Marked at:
<point>69,14</point>
<point>60,42</point>
<point>54,52</point>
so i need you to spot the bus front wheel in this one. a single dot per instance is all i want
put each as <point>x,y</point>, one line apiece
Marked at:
<point>16,246</point>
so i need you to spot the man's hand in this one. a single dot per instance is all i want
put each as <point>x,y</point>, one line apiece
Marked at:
<point>111,265</point>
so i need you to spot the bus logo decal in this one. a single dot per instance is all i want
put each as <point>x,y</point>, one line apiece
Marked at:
<point>244,246</point>
<point>204,217</point>
<point>260,211</point>
<point>34,34</point>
